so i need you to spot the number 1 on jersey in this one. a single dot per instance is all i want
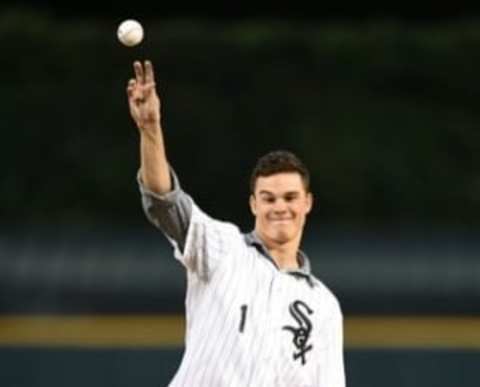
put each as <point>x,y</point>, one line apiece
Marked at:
<point>243,311</point>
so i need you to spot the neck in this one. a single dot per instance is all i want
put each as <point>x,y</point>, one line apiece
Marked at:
<point>284,254</point>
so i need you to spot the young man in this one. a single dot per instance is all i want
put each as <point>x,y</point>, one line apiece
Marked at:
<point>256,316</point>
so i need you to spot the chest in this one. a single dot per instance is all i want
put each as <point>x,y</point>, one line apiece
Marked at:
<point>279,317</point>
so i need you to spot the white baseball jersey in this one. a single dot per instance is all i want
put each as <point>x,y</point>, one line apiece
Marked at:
<point>248,323</point>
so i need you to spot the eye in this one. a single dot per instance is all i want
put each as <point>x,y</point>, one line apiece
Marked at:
<point>290,197</point>
<point>267,199</point>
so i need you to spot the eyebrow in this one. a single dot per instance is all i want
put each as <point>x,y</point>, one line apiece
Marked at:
<point>264,192</point>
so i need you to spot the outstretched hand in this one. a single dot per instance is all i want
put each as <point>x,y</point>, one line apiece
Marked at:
<point>142,97</point>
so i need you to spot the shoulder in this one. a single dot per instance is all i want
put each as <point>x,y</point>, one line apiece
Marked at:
<point>327,297</point>
<point>215,228</point>
<point>201,217</point>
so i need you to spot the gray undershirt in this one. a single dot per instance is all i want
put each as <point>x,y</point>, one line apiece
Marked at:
<point>170,212</point>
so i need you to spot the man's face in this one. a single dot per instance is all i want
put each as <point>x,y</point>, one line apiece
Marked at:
<point>280,204</point>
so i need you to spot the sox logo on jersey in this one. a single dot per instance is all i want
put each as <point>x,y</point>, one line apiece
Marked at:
<point>301,334</point>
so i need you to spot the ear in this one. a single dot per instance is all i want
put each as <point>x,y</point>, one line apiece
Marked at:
<point>253,205</point>
<point>309,199</point>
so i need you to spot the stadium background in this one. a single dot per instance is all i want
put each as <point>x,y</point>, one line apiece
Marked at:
<point>382,106</point>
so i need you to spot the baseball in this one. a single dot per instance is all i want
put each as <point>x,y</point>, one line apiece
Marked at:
<point>130,32</point>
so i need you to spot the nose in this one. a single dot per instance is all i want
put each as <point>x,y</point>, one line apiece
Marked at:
<point>280,206</point>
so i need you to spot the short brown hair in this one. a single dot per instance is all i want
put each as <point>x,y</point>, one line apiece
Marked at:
<point>277,162</point>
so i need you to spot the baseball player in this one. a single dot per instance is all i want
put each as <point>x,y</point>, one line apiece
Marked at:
<point>255,314</point>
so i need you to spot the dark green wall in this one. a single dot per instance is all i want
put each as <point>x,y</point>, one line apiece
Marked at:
<point>385,114</point>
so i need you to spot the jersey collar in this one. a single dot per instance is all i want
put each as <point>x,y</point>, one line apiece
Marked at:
<point>304,269</point>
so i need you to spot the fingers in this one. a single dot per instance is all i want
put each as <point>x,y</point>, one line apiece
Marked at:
<point>135,94</point>
<point>131,87</point>
<point>139,73</point>
<point>144,73</point>
<point>143,85</point>
<point>149,75</point>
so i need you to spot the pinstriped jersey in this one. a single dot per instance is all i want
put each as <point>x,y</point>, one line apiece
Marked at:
<point>248,323</point>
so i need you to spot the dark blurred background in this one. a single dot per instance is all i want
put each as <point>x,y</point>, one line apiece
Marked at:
<point>381,102</point>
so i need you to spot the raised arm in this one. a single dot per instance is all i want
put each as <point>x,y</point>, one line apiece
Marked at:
<point>144,106</point>
<point>165,204</point>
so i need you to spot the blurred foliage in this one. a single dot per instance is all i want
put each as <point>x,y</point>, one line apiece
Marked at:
<point>384,113</point>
